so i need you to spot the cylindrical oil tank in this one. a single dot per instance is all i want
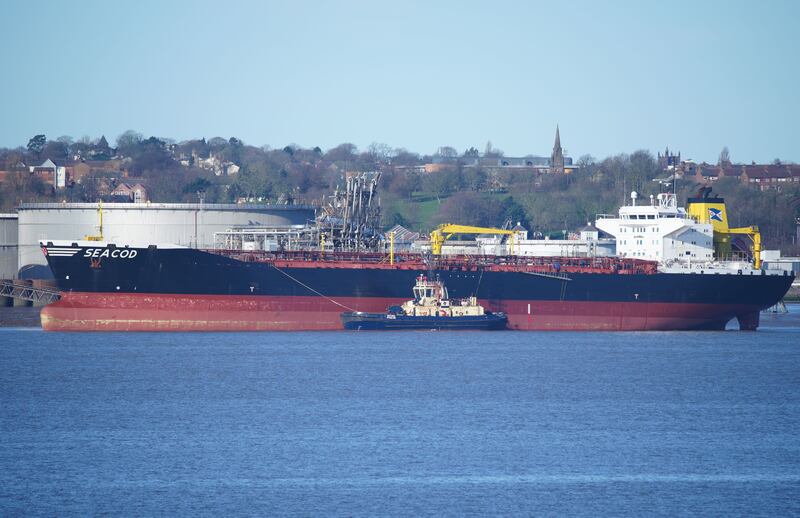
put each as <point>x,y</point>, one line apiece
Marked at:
<point>188,224</point>
<point>8,246</point>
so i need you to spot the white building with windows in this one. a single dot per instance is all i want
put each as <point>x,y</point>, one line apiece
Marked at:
<point>659,231</point>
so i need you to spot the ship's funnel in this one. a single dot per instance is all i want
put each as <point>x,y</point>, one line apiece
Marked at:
<point>707,209</point>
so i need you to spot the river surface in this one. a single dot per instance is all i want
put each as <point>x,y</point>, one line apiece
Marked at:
<point>408,424</point>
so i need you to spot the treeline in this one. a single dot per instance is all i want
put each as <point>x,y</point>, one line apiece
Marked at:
<point>553,204</point>
<point>178,171</point>
<point>544,202</point>
<point>458,192</point>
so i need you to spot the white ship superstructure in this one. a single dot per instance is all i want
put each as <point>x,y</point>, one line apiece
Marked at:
<point>684,240</point>
<point>659,231</point>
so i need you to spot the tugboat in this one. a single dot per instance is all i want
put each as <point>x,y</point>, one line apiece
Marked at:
<point>431,309</point>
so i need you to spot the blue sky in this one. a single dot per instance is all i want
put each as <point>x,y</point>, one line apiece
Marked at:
<point>616,76</point>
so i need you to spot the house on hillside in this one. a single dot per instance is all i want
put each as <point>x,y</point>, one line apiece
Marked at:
<point>416,169</point>
<point>762,176</point>
<point>101,150</point>
<point>12,167</point>
<point>708,173</point>
<point>771,177</point>
<point>54,171</point>
<point>557,163</point>
<point>139,193</point>
<point>126,193</point>
<point>112,168</point>
<point>215,165</point>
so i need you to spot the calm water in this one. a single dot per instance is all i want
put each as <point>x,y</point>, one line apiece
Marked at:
<point>322,424</point>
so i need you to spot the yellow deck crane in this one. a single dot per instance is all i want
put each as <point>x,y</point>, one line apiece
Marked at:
<point>755,237</point>
<point>98,237</point>
<point>444,232</point>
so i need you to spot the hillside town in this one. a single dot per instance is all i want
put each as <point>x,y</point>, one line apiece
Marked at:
<point>549,193</point>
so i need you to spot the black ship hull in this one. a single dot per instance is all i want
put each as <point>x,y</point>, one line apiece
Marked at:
<point>109,288</point>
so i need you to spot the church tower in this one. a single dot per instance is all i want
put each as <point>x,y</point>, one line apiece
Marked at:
<point>557,158</point>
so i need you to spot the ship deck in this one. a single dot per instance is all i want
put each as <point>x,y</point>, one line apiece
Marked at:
<point>555,266</point>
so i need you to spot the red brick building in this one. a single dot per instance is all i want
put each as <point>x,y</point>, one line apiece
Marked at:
<point>762,176</point>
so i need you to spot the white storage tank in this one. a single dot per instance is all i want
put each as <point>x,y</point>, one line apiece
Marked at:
<point>8,246</point>
<point>188,224</point>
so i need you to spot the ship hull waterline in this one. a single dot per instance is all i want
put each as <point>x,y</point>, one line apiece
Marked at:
<point>78,311</point>
<point>110,288</point>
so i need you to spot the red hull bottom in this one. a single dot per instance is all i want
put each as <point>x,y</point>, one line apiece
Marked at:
<point>151,312</point>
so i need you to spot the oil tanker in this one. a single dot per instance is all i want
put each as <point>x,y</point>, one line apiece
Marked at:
<point>664,276</point>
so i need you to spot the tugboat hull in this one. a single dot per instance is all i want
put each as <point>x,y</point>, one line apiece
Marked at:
<point>356,321</point>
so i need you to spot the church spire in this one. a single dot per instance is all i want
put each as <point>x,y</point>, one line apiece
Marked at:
<point>557,145</point>
<point>557,158</point>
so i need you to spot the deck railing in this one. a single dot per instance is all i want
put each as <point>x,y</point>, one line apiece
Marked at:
<point>449,262</point>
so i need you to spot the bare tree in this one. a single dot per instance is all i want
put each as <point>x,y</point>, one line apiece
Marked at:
<point>380,151</point>
<point>447,152</point>
<point>492,152</point>
<point>128,142</point>
<point>724,157</point>
<point>586,161</point>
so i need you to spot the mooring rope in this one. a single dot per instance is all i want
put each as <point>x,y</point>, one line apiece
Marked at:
<point>478,287</point>
<point>309,288</point>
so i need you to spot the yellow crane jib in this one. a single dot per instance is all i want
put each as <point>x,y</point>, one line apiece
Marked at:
<point>755,236</point>
<point>444,232</point>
